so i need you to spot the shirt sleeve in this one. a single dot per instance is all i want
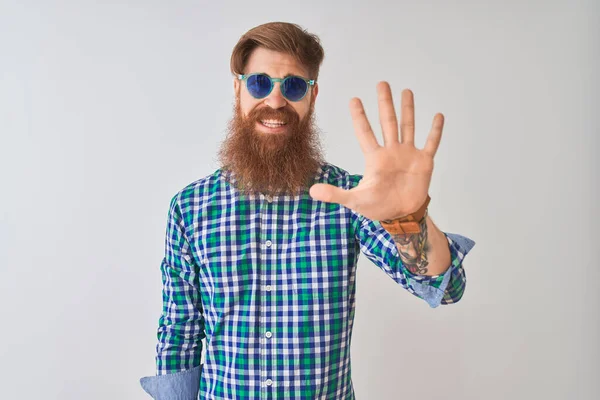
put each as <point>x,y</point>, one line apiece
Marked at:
<point>182,385</point>
<point>378,246</point>
<point>181,324</point>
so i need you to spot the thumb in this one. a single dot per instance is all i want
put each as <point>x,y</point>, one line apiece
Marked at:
<point>329,193</point>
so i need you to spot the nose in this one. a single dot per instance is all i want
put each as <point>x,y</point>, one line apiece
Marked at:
<point>275,99</point>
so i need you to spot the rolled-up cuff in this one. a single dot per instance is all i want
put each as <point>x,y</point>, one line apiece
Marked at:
<point>182,385</point>
<point>451,283</point>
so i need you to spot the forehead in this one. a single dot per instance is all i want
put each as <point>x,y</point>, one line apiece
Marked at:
<point>274,63</point>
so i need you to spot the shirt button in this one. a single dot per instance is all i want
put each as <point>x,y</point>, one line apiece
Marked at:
<point>269,198</point>
<point>268,335</point>
<point>268,288</point>
<point>269,382</point>
<point>268,243</point>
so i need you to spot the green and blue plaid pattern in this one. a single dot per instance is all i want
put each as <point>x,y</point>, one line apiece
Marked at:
<point>270,283</point>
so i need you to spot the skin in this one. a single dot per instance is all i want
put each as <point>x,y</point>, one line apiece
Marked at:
<point>272,160</point>
<point>276,65</point>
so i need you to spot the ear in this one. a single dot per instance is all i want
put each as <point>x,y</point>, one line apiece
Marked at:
<point>236,86</point>
<point>315,92</point>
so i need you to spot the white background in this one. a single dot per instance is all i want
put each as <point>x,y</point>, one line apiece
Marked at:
<point>107,109</point>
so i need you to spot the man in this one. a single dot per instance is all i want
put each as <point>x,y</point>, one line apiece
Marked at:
<point>261,255</point>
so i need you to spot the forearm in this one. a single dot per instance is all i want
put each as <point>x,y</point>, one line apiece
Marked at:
<point>424,253</point>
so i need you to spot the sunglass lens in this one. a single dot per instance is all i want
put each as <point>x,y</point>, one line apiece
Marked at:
<point>259,86</point>
<point>294,88</point>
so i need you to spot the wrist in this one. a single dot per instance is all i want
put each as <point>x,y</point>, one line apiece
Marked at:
<point>408,224</point>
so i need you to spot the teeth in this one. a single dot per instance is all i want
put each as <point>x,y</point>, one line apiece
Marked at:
<point>272,122</point>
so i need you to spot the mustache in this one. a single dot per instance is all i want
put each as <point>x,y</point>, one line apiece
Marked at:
<point>283,114</point>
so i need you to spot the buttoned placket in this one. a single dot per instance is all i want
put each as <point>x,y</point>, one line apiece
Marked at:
<point>268,246</point>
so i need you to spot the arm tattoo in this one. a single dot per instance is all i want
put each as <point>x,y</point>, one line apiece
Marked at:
<point>413,249</point>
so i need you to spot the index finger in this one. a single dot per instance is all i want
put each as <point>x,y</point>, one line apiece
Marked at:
<point>362,128</point>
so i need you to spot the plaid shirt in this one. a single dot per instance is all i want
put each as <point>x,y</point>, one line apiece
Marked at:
<point>270,283</point>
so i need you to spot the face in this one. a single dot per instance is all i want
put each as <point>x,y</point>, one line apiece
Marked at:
<point>276,65</point>
<point>272,146</point>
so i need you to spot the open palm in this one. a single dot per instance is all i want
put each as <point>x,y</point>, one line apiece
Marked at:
<point>397,175</point>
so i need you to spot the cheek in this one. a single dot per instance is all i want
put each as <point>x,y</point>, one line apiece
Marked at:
<point>301,109</point>
<point>247,104</point>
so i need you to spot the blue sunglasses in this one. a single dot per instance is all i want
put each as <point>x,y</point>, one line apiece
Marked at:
<point>260,85</point>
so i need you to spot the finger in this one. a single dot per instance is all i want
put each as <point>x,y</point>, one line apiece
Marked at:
<point>330,194</point>
<point>407,119</point>
<point>435,135</point>
<point>387,114</point>
<point>362,128</point>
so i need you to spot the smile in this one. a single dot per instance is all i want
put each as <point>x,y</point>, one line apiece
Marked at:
<point>272,123</point>
<point>271,126</point>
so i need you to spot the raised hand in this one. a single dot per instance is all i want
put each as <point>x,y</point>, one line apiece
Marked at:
<point>397,176</point>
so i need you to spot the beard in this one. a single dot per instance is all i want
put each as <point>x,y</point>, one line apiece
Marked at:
<point>272,163</point>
